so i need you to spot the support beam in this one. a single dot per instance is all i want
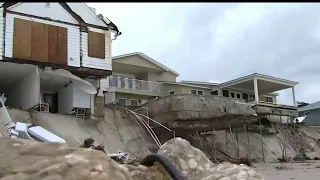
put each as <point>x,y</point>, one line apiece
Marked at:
<point>256,90</point>
<point>294,97</point>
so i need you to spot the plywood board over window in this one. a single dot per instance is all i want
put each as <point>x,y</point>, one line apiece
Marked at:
<point>39,39</point>
<point>40,42</point>
<point>58,50</point>
<point>22,39</point>
<point>96,45</point>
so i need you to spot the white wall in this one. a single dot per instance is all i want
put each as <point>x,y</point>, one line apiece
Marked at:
<point>26,92</point>
<point>86,14</point>
<point>109,97</point>
<point>73,38</point>
<point>65,99</point>
<point>81,99</point>
<point>54,11</point>
<point>92,62</point>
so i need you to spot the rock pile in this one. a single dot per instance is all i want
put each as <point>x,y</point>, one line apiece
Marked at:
<point>29,160</point>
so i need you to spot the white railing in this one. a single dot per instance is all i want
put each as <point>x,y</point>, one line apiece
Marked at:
<point>134,84</point>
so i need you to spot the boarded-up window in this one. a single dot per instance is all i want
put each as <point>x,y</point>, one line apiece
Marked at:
<point>96,45</point>
<point>22,39</point>
<point>40,42</point>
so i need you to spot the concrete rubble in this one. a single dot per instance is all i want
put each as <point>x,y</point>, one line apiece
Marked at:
<point>27,159</point>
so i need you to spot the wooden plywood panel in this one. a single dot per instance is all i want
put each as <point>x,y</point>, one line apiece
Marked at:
<point>96,45</point>
<point>22,39</point>
<point>63,46</point>
<point>53,39</point>
<point>40,42</point>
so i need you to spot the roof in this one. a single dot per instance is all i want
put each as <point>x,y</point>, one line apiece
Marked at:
<point>74,15</point>
<point>315,105</point>
<point>147,58</point>
<point>251,76</point>
<point>182,84</point>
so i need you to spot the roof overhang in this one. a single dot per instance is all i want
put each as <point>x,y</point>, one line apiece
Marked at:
<point>62,75</point>
<point>266,84</point>
<point>165,68</point>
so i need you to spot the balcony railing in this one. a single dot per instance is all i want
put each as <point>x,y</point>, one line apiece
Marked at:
<point>134,84</point>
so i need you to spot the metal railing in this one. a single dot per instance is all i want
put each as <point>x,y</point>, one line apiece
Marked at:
<point>134,84</point>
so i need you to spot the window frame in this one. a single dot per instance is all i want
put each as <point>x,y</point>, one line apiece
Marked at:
<point>133,100</point>
<point>195,91</point>
<point>214,94</point>
<point>122,99</point>
<point>199,91</point>
<point>307,113</point>
<point>89,53</point>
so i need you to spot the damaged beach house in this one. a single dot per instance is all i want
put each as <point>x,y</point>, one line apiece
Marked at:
<point>57,59</point>
<point>53,57</point>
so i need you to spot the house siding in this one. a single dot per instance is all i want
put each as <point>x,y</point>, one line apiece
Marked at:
<point>54,11</point>
<point>313,118</point>
<point>73,38</point>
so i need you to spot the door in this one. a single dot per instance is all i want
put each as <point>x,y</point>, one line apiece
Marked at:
<point>245,97</point>
<point>52,100</point>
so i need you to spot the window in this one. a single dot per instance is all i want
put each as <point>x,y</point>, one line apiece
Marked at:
<point>245,97</point>
<point>122,101</point>
<point>96,45</point>
<point>307,113</point>
<point>193,91</point>
<point>225,93</point>
<point>200,92</point>
<point>214,92</point>
<point>171,92</point>
<point>232,95</point>
<point>134,102</point>
<point>269,99</point>
<point>238,95</point>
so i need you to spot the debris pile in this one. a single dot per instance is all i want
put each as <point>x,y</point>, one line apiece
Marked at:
<point>57,161</point>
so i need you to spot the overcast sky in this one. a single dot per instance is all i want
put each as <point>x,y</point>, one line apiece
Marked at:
<point>220,41</point>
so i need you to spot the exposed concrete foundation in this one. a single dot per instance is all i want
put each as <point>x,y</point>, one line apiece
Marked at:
<point>200,113</point>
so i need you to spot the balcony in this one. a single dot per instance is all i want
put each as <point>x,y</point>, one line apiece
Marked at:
<point>134,86</point>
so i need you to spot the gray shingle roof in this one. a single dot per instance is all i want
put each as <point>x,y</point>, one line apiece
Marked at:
<point>314,105</point>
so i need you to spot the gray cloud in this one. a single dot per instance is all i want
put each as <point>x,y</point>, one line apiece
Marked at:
<point>222,41</point>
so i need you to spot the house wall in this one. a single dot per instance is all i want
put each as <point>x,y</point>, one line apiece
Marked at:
<point>86,13</point>
<point>180,89</point>
<point>109,97</point>
<point>165,76</point>
<point>92,62</point>
<point>261,97</point>
<point>72,31</point>
<point>128,97</point>
<point>313,118</point>
<point>65,99</point>
<point>54,11</point>
<point>25,94</point>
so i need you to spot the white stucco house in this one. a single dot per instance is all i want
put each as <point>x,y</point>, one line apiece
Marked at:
<point>48,50</point>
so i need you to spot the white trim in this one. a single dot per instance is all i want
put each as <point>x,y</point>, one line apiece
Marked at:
<point>147,58</point>
<point>122,98</point>
<point>188,85</point>
<point>200,83</point>
<point>134,100</point>
<point>171,91</point>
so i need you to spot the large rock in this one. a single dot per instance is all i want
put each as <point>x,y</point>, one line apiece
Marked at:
<point>30,160</point>
<point>194,165</point>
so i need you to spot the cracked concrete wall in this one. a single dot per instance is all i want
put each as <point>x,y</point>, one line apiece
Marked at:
<point>189,112</point>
